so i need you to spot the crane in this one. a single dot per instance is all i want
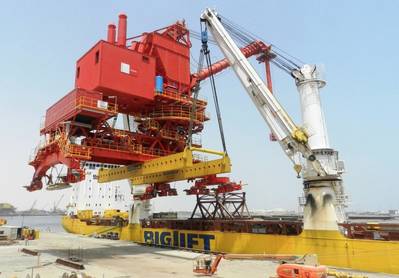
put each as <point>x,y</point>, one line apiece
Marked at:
<point>320,168</point>
<point>32,207</point>
<point>56,204</point>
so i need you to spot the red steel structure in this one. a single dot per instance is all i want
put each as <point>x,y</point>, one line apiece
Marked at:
<point>147,77</point>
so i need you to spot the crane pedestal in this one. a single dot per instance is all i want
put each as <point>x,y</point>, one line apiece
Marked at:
<point>320,211</point>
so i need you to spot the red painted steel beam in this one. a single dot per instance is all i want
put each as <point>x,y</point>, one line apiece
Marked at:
<point>118,157</point>
<point>212,180</point>
<point>253,48</point>
<point>268,76</point>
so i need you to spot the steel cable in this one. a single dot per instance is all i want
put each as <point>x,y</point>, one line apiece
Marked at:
<point>213,86</point>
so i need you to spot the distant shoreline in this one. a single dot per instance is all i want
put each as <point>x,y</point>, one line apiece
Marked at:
<point>23,214</point>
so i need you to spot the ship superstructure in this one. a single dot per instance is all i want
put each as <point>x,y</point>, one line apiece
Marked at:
<point>88,194</point>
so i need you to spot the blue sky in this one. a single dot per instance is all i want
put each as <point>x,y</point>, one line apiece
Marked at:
<point>356,42</point>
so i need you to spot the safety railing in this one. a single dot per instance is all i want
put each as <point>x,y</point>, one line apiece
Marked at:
<point>151,124</point>
<point>121,132</point>
<point>88,102</point>
<point>200,157</point>
<point>72,150</point>
<point>169,134</point>
<point>180,97</point>
<point>114,146</point>
<point>45,142</point>
<point>130,148</point>
<point>177,112</point>
<point>59,112</point>
<point>85,150</point>
<point>156,152</point>
<point>78,151</point>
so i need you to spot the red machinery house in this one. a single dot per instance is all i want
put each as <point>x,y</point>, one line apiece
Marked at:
<point>118,72</point>
<point>114,77</point>
<point>147,77</point>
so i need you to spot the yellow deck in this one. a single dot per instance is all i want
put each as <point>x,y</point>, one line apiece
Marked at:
<point>331,247</point>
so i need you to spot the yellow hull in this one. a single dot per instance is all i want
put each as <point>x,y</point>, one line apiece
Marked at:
<point>331,247</point>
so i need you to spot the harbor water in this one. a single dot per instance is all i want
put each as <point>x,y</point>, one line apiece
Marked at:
<point>46,223</point>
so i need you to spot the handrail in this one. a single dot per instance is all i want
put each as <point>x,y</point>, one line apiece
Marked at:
<point>180,97</point>
<point>151,124</point>
<point>84,101</point>
<point>81,102</point>
<point>77,151</point>
<point>85,151</point>
<point>175,111</point>
<point>129,147</point>
<point>170,134</point>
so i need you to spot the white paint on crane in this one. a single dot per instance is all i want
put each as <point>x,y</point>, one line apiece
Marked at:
<point>312,114</point>
<point>323,209</point>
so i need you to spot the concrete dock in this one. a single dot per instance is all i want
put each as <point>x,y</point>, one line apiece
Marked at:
<point>110,258</point>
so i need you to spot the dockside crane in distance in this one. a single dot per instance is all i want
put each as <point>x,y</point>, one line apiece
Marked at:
<point>32,207</point>
<point>56,204</point>
<point>307,146</point>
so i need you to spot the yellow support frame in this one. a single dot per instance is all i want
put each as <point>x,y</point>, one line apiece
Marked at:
<point>200,169</point>
<point>161,164</point>
<point>169,168</point>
